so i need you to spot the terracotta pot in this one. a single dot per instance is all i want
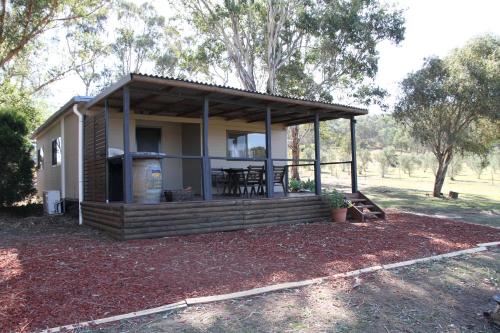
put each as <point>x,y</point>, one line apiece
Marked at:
<point>339,214</point>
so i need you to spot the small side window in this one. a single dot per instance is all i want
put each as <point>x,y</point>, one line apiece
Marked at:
<point>39,158</point>
<point>56,151</point>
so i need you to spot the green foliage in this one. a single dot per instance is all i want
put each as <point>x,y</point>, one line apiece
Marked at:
<point>21,101</point>
<point>294,185</point>
<point>376,131</point>
<point>308,185</point>
<point>253,37</point>
<point>495,160</point>
<point>429,162</point>
<point>16,169</point>
<point>338,200</point>
<point>408,162</point>
<point>456,167</point>
<point>451,104</point>
<point>386,158</point>
<point>364,158</point>
<point>478,164</point>
<point>88,49</point>
<point>140,36</point>
<point>23,49</point>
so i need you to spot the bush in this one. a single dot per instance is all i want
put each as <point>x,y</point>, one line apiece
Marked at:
<point>386,158</point>
<point>308,185</point>
<point>16,168</point>
<point>294,185</point>
<point>408,163</point>
<point>338,200</point>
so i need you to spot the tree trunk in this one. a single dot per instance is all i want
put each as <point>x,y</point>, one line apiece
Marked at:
<point>294,146</point>
<point>443,162</point>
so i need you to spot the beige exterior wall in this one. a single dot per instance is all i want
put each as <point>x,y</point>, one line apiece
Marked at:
<point>71,155</point>
<point>172,141</point>
<point>48,177</point>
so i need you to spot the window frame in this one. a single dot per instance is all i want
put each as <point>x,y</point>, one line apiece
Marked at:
<point>156,128</point>
<point>56,154</point>
<point>246,133</point>
<point>39,158</point>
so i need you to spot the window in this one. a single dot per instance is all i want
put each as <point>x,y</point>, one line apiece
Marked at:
<point>247,145</point>
<point>39,158</point>
<point>148,139</point>
<point>56,151</point>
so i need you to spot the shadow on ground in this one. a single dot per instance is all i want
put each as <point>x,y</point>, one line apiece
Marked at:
<point>471,208</point>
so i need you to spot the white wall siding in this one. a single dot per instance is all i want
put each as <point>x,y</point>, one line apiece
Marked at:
<point>49,176</point>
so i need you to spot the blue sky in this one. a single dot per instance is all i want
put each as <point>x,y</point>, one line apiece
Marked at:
<point>433,27</point>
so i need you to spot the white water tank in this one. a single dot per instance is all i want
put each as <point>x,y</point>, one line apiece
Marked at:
<point>147,180</point>
<point>52,202</point>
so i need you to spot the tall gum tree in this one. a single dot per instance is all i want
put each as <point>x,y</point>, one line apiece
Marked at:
<point>452,105</point>
<point>305,48</point>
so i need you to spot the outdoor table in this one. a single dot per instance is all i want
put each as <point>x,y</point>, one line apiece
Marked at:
<point>233,177</point>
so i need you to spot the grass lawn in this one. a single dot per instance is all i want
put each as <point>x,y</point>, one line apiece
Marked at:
<point>478,202</point>
<point>444,296</point>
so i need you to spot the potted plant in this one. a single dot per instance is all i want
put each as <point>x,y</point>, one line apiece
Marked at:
<point>338,205</point>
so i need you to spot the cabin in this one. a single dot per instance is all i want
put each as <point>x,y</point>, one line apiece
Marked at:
<point>156,156</point>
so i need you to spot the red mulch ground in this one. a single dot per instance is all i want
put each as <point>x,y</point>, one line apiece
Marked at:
<point>56,279</point>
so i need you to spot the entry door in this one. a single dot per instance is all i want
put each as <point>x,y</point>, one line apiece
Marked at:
<point>148,139</point>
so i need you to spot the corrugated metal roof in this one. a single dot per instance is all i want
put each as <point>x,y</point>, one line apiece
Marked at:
<point>62,110</point>
<point>246,90</point>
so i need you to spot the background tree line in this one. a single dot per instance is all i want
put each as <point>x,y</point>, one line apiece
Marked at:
<point>315,49</point>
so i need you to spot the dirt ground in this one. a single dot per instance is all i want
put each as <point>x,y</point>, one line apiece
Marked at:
<point>53,272</point>
<point>445,296</point>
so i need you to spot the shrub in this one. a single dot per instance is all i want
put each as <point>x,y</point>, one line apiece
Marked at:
<point>408,162</point>
<point>308,185</point>
<point>16,168</point>
<point>386,158</point>
<point>338,200</point>
<point>294,185</point>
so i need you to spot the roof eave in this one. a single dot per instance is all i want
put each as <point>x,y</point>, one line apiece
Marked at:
<point>109,90</point>
<point>47,123</point>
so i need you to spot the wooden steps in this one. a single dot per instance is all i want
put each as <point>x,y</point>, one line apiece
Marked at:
<point>363,208</point>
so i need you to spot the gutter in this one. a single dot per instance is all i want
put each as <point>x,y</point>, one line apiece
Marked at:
<point>80,162</point>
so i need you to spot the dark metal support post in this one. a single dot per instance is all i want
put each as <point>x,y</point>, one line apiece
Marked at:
<point>354,168</point>
<point>106,145</point>
<point>269,159</point>
<point>206,173</point>
<point>317,156</point>
<point>127,157</point>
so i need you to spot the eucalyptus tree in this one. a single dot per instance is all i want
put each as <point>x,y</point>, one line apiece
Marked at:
<point>307,48</point>
<point>141,38</point>
<point>452,104</point>
<point>22,26</point>
<point>89,49</point>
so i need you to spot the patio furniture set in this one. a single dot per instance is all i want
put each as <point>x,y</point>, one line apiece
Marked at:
<point>248,182</point>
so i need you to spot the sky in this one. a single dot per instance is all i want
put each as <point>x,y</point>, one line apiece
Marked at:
<point>433,28</point>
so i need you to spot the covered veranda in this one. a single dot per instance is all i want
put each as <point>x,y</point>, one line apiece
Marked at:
<point>139,96</point>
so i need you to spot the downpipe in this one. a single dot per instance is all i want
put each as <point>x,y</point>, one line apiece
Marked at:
<point>80,162</point>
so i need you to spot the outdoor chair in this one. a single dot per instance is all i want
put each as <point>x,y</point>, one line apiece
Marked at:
<point>279,173</point>
<point>255,178</point>
<point>219,179</point>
